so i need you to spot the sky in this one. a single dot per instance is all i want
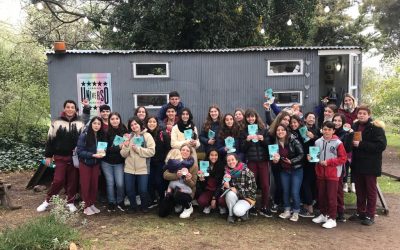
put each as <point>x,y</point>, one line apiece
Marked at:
<point>12,14</point>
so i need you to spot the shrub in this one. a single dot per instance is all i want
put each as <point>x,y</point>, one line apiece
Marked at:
<point>18,156</point>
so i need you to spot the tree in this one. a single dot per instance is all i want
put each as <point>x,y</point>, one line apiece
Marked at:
<point>385,16</point>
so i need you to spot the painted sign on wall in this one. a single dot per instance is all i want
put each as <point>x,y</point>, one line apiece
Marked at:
<point>96,87</point>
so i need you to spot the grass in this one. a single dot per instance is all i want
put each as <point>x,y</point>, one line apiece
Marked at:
<point>41,233</point>
<point>393,140</point>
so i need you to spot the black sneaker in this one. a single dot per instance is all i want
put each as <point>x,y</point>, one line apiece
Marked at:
<point>253,211</point>
<point>340,217</point>
<point>368,221</point>
<point>357,217</point>
<point>110,207</point>
<point>266,212</point>
<point>153,204</point>
<point>274,208</point>
<point>121,206</point>
<point>245,217</point>
<point>306,214</point>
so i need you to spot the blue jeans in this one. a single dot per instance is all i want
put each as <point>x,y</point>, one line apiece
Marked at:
<point>114,174</point>
<point>130,188</point>
<point>291,184</point>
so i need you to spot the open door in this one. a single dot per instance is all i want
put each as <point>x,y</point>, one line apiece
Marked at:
<point>354,74</point>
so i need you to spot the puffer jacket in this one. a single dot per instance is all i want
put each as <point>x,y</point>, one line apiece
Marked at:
<point>256,151</point>
<point>367,157</point>
<point>85,154</point>
<point>332,151</point>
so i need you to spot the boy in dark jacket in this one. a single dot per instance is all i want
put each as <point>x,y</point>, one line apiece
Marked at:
<point>366,163</point>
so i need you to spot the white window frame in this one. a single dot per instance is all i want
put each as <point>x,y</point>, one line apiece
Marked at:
<point>150,76</point>
<point>300,61</point>
<point>135,97</point>
<point>290,103</point>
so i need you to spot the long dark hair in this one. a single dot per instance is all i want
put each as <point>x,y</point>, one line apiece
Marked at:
<point>287,134</point>
<point>120,130</point>
<point>225,131</point>
<point>218,167</point>
<point>137,120</point>
<point>91,136</point>
<point>154,132</point>
<point>137,110</point>
<point>252,112</point>
<point>277,122</point>
<point>209,121</point>
<point>188,125</point>
<point>298,119</point>
<point>341,117</point>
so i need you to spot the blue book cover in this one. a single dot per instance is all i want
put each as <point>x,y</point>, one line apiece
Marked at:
<point>314,154</point>
<point>118,140</point>
<point>211,134</point>
<point>188,134</point>
<point>138,140</point>
<point>273,149</point>
<point>204,165</point>
<point>230,144</point>
<point>268,93</point>
<point>252,130</point>
<point>303,132</point>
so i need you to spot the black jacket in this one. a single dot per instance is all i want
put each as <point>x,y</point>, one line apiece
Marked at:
<point>296,153</point>
<point>346,137</point>
<point>113,155</point>
<point>163,146</point>
<point>256,151</point>
<point>367,157</point>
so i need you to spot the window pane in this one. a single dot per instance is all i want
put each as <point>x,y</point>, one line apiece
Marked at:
<point>151,69</point>
<point>284,67</point>
<point>151,100</point>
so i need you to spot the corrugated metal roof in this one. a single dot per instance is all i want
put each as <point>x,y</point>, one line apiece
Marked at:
<point>247,49</point>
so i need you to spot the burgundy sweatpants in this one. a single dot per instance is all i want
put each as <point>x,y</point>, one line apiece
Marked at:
<point>340,196</point>
<point>65,175</point>
<point>327,197</point>
<point>261,171</point>
<point>89,179</point>
<point>205,197</point>
<point>367,194</point>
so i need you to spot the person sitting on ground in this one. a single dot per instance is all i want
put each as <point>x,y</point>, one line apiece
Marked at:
<point>173,166</point>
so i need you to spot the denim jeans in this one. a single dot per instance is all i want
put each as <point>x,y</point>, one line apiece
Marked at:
<point>130,188</point>
<point>291,183</point>
<point>114,174</point>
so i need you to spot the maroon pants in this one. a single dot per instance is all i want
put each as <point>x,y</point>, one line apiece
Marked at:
<point>366,194</point>
<point>205,197</point>
<point>65,175</point>
<point>340,196</point>
<point>327,197</point>
<point>261,171</point>
<point>89,178</point>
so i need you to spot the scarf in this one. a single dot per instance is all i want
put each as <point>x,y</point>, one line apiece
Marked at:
<point>235,172</point>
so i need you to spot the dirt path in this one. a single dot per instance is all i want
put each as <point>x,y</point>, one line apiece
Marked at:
<point>391,163</point>
<point>122,231</point>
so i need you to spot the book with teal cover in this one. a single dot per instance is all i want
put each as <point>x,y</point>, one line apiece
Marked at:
<point>188,134</point>
<point>314,154</point>
<point>272,149</point>
<point>204,165</point>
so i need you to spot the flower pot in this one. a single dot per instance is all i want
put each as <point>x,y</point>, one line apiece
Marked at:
<point>59,47</point>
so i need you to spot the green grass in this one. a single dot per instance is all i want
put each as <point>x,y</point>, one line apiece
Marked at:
<point>41,233</point>
<point>393,140</point>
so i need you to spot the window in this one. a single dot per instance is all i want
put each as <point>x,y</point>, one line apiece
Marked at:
<point>284,67</point>
<point>287,98</point>
<point>150,101</point>
<point>151,70</point>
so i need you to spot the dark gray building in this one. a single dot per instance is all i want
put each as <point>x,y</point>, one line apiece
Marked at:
<point>229,78</point>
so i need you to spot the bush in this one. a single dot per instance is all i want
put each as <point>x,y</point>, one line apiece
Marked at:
<point>41,233</point>
<point>18,156</point>
<point>36,137</point>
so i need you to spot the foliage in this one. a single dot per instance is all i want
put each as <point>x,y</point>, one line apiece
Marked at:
<point>45,232</point>
<point>385,16</point>
<point>62,214</point>
<point>18,156</point>
<point>24,100</point>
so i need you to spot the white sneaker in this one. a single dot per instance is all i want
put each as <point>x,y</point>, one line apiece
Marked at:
<point>329,224</point>
<point>353,187</point>
<point>207,210</point>
<point>42,206</point>
<point>285,215</point>
<point>320,219</point>
<point>178,208</point>
<point>222,210</point>
<point>88,211</point>
<point>138,201</point>
<point>127,203</point>
<point>72,207</point>
<point>95,209</point>
<point>345,188</point>
<point>295,217</point>
<point>186,212</point>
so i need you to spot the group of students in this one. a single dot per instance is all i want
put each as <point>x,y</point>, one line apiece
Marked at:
<point>156,157</point>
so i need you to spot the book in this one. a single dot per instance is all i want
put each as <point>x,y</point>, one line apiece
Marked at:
<point>272,149</point>
<point>357,136</point>
<point>204,165</point>
<point>188,134</point>
<point>138,140</point>
<point>314,154</point>
<point>268,93</point>
<point>229,143</point>
<point>303,133</point>
<point>211,134</point>
<point>101,147</point>
<point>252,130</point>
<point>118,140</point>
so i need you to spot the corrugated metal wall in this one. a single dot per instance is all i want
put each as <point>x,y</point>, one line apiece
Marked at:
<point>228,79</point>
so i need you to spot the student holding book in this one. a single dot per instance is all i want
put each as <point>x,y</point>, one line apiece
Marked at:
<point>209,183</point>
<point>366,164</point>
<point>332,158</point>
<point>209,132</point>
<point>137,152</point>
<point>255,148</point>
<point>90,153</point>
<point>185,132</point>
<point>113,163</point>
<point>289,159</point>
<point>229,132</point>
